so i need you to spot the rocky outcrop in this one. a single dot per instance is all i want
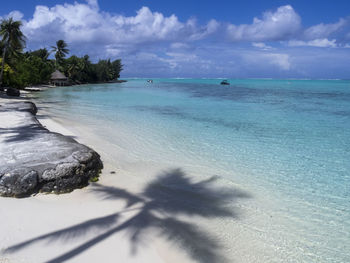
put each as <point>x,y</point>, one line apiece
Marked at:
<point>33,159</point>
<point>13,92</point>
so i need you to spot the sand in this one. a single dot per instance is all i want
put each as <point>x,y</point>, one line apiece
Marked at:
<point>45,228</point>
<point>86,225</point>
<point>137,212</point>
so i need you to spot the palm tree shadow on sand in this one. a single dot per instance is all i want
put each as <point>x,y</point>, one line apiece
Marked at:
<point>170,195</point>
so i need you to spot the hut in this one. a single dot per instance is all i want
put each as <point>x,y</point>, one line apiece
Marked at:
<point>59,79</point>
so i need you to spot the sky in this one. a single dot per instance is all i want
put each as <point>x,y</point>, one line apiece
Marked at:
<point>187,38</point>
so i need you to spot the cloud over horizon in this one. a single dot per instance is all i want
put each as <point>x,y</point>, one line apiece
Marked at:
<point>167,46</point>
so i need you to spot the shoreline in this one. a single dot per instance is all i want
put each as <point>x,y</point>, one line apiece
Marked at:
<point>132,176</point>
<point>94,208</point>
<point>119,185</point>
<point>94,214</point>
<point>259,230</point>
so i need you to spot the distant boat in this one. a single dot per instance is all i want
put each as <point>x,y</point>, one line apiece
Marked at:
<point>224,82</point>
<point>150,81</point>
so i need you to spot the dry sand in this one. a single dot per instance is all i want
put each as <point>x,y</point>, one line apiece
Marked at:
<point>57,228</point>
<point>93,224</point>
<point>125,217</point>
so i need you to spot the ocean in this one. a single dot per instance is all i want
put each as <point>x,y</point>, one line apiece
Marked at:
<point>284,140</point>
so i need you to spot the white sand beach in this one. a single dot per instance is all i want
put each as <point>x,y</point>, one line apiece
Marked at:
<point>44,227</point>
<point>168,132</point>
<point>138,211</point>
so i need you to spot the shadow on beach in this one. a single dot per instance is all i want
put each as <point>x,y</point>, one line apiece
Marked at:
<point>157,208</point>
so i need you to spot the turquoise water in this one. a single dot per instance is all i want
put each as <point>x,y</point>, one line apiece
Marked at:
<point>289,139</point>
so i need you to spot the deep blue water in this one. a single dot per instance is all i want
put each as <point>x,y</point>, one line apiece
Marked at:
<point>288,138</point>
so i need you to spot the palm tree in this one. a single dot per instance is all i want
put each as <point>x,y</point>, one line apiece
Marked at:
<point>60,50</point>
<point>42,53</point>
<point>12,40</point>
<point>75,67</point>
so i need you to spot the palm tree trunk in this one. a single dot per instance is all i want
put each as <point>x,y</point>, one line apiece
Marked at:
<point>2,65</point>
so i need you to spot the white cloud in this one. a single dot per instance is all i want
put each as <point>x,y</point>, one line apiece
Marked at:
<point>323,30</point>
<point>146,26</point>
<point>88,29</point>
<point>176,59</point>
<point>281,60</point>
<point>151,43</point>
<point>278,25</point>
<point>171,63</point>
<point>79,23</point>
<point>204,31</point>
<point>16,15</point>
<point>260,60</point>
<point>313,43</point>
<point>179,45</point>
<point>261,45</point>
<point>93,3</point>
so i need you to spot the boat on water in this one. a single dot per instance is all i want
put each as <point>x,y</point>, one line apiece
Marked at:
<point>150,81</point>
<point>224,82</point>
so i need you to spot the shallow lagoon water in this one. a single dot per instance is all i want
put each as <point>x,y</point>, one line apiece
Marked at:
<point>286,139</point>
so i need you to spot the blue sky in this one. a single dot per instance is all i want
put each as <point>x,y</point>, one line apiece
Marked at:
<point>157,38</point>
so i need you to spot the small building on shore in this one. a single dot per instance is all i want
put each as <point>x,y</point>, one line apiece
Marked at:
<point>59,79</point>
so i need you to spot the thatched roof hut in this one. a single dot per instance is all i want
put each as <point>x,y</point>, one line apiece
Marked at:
<point>58,79</point>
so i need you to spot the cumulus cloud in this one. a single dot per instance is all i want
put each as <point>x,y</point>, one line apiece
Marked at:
<point>313,43</point>
<point>81,22</point>
<point>205,31</point>
<point>282,24</point>
<point>84,23</point>
<point>85,27</point>
<point>16,15</point>
<point>93,3</point>
<point>150,41</point>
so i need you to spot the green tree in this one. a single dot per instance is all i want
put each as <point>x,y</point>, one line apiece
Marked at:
<point>116,68</point>
<point>12,40</point>
<point>88,74</point>
<point>103,71</point>
<point>107,70</point>
<point>74,66</point>
<point>42,53</point>
<point>61,51</point>
<point>7,74</point>
<point>32,68</point>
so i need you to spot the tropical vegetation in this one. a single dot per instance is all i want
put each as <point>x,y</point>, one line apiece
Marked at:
<point>20,69</point>
<point>60,50</point>
<point>12,41</point>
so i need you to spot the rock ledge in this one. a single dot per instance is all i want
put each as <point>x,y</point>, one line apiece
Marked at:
<point>33,159</point>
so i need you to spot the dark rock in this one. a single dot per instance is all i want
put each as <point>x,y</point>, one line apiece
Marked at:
<point>12,92</point>
<point>18,182</point>
<point>31,107</point>
<point>33,159</point>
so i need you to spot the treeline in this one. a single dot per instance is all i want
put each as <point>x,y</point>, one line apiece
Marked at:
<point>81,70</point>
<point>20,69</point>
